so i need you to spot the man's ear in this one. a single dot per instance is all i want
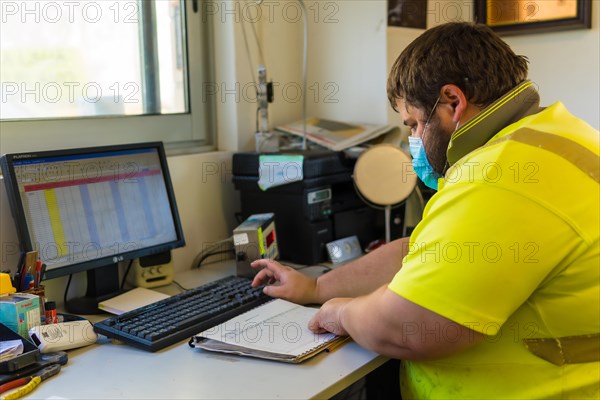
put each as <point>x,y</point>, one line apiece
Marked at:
<point>453,96</point>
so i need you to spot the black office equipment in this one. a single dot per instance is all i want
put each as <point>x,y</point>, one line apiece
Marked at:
<point>30,354</point>
<point>179,317</point>
<point>89,209</point>
<point>321,208</point>
<point>45,360</point>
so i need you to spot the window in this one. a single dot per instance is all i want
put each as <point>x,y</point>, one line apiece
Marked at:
<point>77,73</point>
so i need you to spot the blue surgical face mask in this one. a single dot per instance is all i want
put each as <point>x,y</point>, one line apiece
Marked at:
<point>420,162</point>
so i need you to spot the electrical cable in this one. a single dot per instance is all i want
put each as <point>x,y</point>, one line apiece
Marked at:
<point>304,72</point>
<point>257,117</point>
<point>250,62</point>
<point>196,262</point>
<point>304,66</point>
<point>183,289</point>
<point>126,273</point>
<point>67,290</point>
<point>251,65</point>
<point>238,217</point>
<point>260,52</point>
<point>65,295</point>
<point>214,253</point>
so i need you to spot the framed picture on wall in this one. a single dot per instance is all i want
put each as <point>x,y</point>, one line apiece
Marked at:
<point>407,13</point>
<point>515,17</point>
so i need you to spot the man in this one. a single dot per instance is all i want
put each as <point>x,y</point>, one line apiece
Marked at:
<point>496,294</point>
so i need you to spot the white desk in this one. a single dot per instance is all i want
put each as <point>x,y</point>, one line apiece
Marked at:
<point>116,371</point>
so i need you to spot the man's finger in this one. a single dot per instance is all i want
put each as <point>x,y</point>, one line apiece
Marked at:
<point>263,276</point>
<point>262,262</point>
<point>313,325</point>
<point>274,291</point>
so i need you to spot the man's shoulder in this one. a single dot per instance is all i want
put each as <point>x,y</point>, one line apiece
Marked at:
<point>553,120</point>
<point>552,142</point>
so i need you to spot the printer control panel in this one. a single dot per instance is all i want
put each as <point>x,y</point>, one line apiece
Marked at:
<point>318,203</point>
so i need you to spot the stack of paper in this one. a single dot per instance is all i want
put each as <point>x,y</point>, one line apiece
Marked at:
<point>135,298</point>
<point>277,330</point>
<point>335,135</point>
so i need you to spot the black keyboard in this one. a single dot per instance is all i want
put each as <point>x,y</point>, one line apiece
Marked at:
<point>179,317</point>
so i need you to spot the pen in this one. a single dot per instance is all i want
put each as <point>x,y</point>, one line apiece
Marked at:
<point>42,272</point>
<point>31,258</point>
<point>28,281</point>
<point>38,273</point>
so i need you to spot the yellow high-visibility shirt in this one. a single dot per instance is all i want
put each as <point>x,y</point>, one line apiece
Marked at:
<point>509,247</point>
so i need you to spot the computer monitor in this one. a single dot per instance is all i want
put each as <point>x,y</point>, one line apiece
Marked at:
<point>89,209</point>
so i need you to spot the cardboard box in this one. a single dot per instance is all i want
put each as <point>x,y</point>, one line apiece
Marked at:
<point>20,312</point>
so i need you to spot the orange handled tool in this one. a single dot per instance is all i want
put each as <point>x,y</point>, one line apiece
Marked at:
<point>28,383</point>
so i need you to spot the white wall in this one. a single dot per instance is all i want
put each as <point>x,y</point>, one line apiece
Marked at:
<point>347,54</point>
<point>565,66</point>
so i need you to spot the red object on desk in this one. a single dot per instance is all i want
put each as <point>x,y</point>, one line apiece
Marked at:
<point>29,383</point>
<point>51,317</point>
<point>38,273</point>
<point>13,384</point>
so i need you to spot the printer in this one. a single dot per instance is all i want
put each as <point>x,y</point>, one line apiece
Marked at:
<point>322,207</point>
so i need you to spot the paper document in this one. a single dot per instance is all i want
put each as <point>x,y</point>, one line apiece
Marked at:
<point>335,135</point>
<point>135,298</point>
<point>277,170</point>
<point>10,349</point>
<point>277,330</point>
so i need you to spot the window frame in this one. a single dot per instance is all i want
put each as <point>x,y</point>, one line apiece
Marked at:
<point>193,130</point>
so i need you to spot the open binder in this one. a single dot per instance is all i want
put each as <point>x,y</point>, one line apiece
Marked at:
<point>277,330</point>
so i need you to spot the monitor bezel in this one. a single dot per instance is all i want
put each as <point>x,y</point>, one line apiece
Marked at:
<point>18,210</point>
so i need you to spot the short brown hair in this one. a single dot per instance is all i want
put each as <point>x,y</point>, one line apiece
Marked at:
<point>470,56</point>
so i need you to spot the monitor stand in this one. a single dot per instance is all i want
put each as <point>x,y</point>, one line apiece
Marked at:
<point>102,284</point>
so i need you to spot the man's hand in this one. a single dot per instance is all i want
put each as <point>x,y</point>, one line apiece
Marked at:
<point>327,319</point>
<point>284,282</point>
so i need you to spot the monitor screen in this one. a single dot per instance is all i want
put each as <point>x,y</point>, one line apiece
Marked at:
<point>82,209</point>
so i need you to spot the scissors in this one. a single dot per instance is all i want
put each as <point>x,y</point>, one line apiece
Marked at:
<point>28,383</point>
